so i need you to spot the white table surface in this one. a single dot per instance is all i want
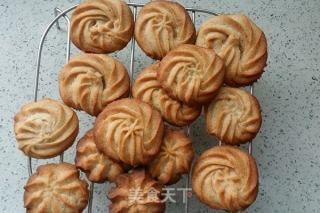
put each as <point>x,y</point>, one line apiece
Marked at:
<point>287,148</point>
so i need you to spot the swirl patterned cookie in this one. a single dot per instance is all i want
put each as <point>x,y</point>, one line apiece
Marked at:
<point>240,43</point>
<point>225,178</point>
<point>136,192</point>
<point>89,82</point>
<point>130,131</point>
<point>233,116</point>
<point>56,188</point>
<point>174,159</point>
<point>97,166</point>
<point>162,26</point>
<point>102,26</point>
<point>147,88</point>
<point>45,128</point>
<point>191,74</point>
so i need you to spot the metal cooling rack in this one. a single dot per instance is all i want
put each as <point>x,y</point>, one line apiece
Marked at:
<point>64,14</point>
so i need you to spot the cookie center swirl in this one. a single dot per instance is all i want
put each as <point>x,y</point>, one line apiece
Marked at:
<point>226,179</point>
<point>131,127</point>
<point>42,126</point>
<point>125,130</point>
<point>228,44</point>
<point>194,70</point>
<point>169,152</point>
<point>235,107</point>
<point>43,123</point>
<point>163,23</point>
<point>186,72</point>
<point>46,128</point>
<point>93,78</point>
<point>103,28</point>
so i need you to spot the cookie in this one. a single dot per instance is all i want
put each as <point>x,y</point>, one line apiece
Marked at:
<point>97,166</point>
<point>136,192</point>
<point>240,43</point>
<point>89,82</point>
<point>225,178</point>
<point>174,159</point>
<point>191,74</point>
<point>162,26</point>
<point>101,26</point>
<point>56,188</point>
<point>233,116</point>
<point>129,131</point>
<point>45,128</point>
<point>147,88</point>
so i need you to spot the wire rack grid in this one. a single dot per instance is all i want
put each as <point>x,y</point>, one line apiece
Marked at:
<point>64,14</point>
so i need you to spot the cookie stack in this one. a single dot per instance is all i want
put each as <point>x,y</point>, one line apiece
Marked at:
<point>135,141</point>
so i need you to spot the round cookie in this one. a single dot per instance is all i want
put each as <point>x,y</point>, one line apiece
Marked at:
<point>233,116</point>
<point>225,178</point>
<point>97,166</point>
<point>240,43</point>
<point>45,128</point>
<point>174,159</point>
<point>56,188</point>
<point>136,192</point>
<point>101,26</point>
<point>130,131</point>
<point>191,74</point>
<point>162,26</point>
<point>90,82</point>
<point>147,88</point>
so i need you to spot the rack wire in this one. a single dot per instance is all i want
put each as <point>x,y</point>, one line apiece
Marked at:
<point>134,6</point>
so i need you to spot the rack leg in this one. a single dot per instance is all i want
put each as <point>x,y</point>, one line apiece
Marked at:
<point>29,166</point>
<point>250,143</point>
<point>56,13</point>
<point>133,42</point>
<point>90,197</point>
<point>186,205</point>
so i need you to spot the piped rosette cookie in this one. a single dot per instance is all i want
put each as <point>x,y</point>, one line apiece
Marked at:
<point>147,88</point>
<point>191,74</point>
<point>89,82</point>
<point>225,178</point>
<point>129,131</point>
<point>240,43</point>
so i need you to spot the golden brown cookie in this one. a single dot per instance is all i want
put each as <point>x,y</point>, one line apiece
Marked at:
<point>162,26</point>
<point>147,88</point>
<point>130,131</point>
<point>45,128</point>
<point>101,26</point>
<point>240,43</point>
<point>174,159</point>
<point>89,82</point>
<point>233,116</point>
<point>136,192</point>
<point>225,178</point>
<point>191,74</point>
<point>97,166</point>
<point>56,188</point>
